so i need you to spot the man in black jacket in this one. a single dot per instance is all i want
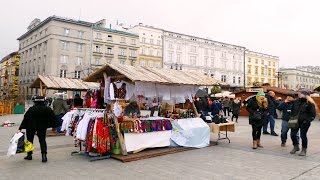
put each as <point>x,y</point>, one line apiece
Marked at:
<point>286,108</point>
<point>272,105</point>
<point>36,121</point>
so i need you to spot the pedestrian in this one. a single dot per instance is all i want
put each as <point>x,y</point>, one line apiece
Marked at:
<point>226,106</point>
<point>236,107</point>
<point>60,109</point>
<point>272,105</point>
<point>305,109</point>
<point>258,110</point>
<point>36,120</point>
<point>215,108</point>
<point>77,101</point>
<point>286,109</point>
<point>197,104</point>
<point>205,106</point>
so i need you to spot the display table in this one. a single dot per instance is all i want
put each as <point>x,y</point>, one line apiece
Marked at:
<point>222,128</point>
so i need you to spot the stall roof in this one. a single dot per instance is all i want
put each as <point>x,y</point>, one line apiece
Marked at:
<point>154,75</point>
<point>52,82</point>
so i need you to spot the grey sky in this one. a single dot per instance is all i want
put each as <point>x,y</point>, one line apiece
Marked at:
<point>286,28</point>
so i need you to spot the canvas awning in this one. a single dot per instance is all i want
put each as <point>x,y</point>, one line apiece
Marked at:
<point>52,82</point>
<point>154,75</point>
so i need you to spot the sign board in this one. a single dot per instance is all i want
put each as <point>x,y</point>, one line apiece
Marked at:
<point>254,90</point>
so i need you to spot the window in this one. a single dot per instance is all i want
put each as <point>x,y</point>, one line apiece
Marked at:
<point>239,80</point>
<point>63,73</point>
<point>249,60</point>
<point>170,56</point>
<point>77,74</point>
<point>79,47</point>
<point>158,53</point>
<point>44,64</point>
<point>98,48</point>
<point>170,46</point>
<point>269,72</point>
<point>212,62</point>
<point>262,61</point>
<point>193,60</point>
<point>158,42</point>
<point>79,60</point>
<point>80,34</point>
<point>65,45</point>
<point>193,49</point>
<point>151,64</point>
<point>122,52</point>
<point>97,61</point>
<point>269,63</point>
<point>133,53</point>
<point>223,78</point>
<point>46,31</point>
<point>274,64</point>
<point>143,40</point>
<point>142,63</point>
<point>109,50</point>
<point>123,62</point>
<point>256,70</point>
<point>257,61</point>
<point>178,58</point>
<point>234,80</point>
<point>151,52</point>
<point>224,54</point>
<point>179,47</point>
<point>142,51</point>
<point>45,46</point>
<point>66,32</point>
<point>249,69</point>
<point>133,41</point>
<point>262,70</point>
<point>109,38</point>
<point>98,36</point>
<point>151,41</point>
<point>64,59</point>
<point>123,40</point>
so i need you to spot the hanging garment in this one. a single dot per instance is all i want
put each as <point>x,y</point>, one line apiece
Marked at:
<point>107,90</point>
<point>103,139</point>
<point>118,90</point>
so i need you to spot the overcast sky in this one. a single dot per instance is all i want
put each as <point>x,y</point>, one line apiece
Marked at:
<point>285,28</point>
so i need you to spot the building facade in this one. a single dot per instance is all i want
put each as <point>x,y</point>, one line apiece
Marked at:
<point>298,79</point>
<point>150,39</point>
<point>221,61</point>
<point>313,69</point>
<point>261,68</point>
<point>113,46</point>
<point>9,76</point>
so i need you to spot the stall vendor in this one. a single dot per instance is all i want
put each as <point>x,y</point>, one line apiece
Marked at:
<point>131,109</point>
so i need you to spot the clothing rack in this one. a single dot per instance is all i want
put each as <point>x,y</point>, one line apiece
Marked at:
<point>81,151</point>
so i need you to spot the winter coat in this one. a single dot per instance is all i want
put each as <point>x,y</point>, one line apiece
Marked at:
<point>198,105</point>
<point>236,107</point>
<point>253,107</point>
<point>307,110</point>
<point>204,105</point>
<point>215,108</point>
<point>60,106</point>
<point>286,108</point>
<point>78,102</point>
<point>272,105</point>
<point>38,117</point>
<point>226,103</point>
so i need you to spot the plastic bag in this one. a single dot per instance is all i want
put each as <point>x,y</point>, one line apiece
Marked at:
<point>12,150</point>
<point>28,146</point>
<point>20,145</point>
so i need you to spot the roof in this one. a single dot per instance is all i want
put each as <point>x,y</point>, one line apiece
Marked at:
<point>56,18</point>
<point>52,82</point>
<point>9,56</point>
<point>154,75</point>
<point>269,88</point>
<point>114,31</point>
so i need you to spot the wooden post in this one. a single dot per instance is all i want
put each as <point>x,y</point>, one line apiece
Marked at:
<point>121,139</point>
<point>41,88</point>
<point>45,91</point>
<point>195,109</point>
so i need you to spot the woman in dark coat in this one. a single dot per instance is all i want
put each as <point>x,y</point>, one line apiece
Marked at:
<point>36,121</point>
<point>258,110</point>
<point>236,106</point>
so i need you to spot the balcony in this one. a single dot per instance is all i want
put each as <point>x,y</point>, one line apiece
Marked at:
<point>109,55</point>
<point>122,56</point>
<point>132,58</point>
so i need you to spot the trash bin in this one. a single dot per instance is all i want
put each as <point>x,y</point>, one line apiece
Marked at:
<point>18,109</point>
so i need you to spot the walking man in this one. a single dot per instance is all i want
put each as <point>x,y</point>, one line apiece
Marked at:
<point>272,105</point>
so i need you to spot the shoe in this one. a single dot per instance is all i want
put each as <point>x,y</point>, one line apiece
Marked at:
<point>283,144</point>
<point>254,144</point>
<point>266,132</point>
<point>295,149</point>
<point>44,157</point>
<point>274,133</point>
<point>303,152</point>
<point>28,157</point>
<point>258,144</point>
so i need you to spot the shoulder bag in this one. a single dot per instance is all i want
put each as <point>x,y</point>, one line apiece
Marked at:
<point>293,122</point>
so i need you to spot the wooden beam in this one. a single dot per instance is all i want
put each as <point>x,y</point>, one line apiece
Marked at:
<point>195,109</point>
<point>41,89</point>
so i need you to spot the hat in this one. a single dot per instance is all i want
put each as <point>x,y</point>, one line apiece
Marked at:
<point>291,95</point>
<point>39,98</point>
<point>304,92</point>
<point>261,93</point>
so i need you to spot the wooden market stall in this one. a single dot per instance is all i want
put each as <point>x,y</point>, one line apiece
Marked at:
<point>158,78</point>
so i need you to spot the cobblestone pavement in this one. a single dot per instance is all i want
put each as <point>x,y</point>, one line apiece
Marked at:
<point>225,161</point>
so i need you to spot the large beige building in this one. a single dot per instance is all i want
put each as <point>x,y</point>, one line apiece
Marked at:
<point>293,78</point>
<point>71,48</point>
<point>261,68</point>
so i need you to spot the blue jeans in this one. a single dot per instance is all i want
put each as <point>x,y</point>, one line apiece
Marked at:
<point>304,127</point>
<point>284,132</point>
<point>270,119</point>
<point>59,119</point>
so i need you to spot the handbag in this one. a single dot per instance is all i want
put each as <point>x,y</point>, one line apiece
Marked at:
<point>293,122</point>
<point>257,115</point>
<point>28,146</point>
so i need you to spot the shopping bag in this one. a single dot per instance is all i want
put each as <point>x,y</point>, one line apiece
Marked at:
<point>12,150</point>
<point>20,145</point>
<point>28,146</point>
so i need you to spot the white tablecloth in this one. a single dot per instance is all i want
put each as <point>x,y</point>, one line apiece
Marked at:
<point>136,141</point>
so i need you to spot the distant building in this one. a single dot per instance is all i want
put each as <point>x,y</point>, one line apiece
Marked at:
<point>313,69</point>
<point>9,76</point>
<point>298,79</point>
<point>261,68</point>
